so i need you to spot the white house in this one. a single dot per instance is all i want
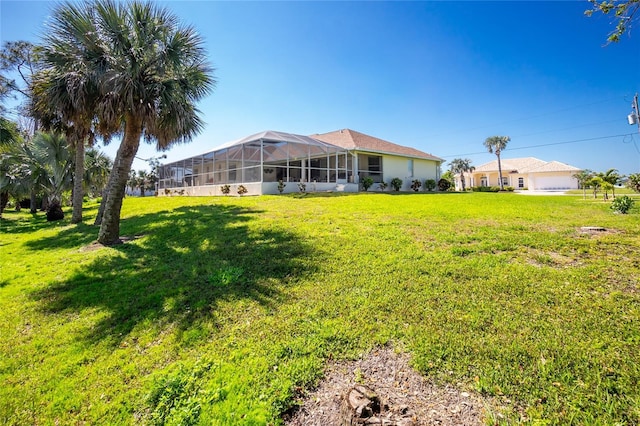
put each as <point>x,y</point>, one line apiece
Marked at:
<point>334,161</point>
<point>520,173</point>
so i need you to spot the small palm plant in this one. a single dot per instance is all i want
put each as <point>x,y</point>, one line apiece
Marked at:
<point>396,184</point>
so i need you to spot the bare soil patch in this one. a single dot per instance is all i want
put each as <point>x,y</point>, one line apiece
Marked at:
<point>405,394</point>
<point>96,245</point>
<point>596,230</point>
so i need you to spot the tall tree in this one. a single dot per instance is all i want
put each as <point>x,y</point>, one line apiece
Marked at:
<point>495,145</point>
<point>150,70</point>
<point>625,13</point>
<point>461,166</point>
<point>9,138</point>
<point>66,93</point>
<point>19,61</point>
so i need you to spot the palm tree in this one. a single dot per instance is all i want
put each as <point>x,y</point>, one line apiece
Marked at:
<point>595,183</point>
<point>9,139</point>
<point>634,182</point>
<point>65,93</point>
<point>583,180</point>
<point>96,171</point>
<point>150,71</point>
<point>143,181</point>
<point>612,177</point>
<point>496,144</point>
<point>51,155</point>
<point>460,166</point>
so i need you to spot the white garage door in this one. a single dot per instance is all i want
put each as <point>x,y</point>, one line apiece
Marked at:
<point>553,182</point>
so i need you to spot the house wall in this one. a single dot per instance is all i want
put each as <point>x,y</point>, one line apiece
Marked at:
<point>532,181</point>
<point>292,187</point>
<point>398,167</point>
<point>254,188</point>
<point>257,189</point>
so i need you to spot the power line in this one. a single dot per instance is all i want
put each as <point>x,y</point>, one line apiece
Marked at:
<point>569,128</point>
<point>545,144</point>
<point>529,117</point>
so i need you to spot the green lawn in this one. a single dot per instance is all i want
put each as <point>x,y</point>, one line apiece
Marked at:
<point>224,310</point>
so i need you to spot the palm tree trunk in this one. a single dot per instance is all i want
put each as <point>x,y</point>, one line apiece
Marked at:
<point>500,171</point>
<point>78,195</point>
<point>103,202</point>
<point>32,202</point>
<point>4,200</point>
<point>110,227</point>
<point>462,177</point>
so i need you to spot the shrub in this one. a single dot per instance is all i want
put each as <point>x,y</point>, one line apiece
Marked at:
<point>366,182</point>
<point>633,182</point>
<point>444,184</point>
<point>416,184</point>
<point>430,185</point>
<point>382,186</point>
<point>54,212</point>
<point>396,184</point>
<point>225,189</point>
<point>281,185</point>
<point>302,187</point>
<point>242,190</point>
<point>622,204</point>
<point>486,189</point>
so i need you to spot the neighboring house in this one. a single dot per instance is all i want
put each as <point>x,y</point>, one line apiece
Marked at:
<point>524,173</point>
<point>333,161</point>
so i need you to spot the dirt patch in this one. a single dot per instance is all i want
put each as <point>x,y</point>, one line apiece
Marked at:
<point>96,245</point>
<point>400,388</point>
<point>596,230</point>
<point>541,259</point>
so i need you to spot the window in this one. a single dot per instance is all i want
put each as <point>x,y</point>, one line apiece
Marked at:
<point>505,180</point>
<point>410,168</point>
<point>370,165</point>
<point>520,182</point>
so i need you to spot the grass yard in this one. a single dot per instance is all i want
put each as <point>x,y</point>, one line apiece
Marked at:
<point>224,310</point>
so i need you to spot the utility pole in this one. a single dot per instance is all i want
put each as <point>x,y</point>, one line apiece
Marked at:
<point>634,117</point>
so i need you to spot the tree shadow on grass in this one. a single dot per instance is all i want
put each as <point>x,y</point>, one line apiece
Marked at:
<point>186,262</point>
<point>38,221</point>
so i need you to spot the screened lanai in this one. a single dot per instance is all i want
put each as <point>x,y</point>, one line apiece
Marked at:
<point>258,162</point>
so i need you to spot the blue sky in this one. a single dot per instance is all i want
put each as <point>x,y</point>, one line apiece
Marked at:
<point>439,76</point>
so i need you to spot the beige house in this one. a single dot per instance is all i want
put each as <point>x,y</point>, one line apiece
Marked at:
<point>335,161</point>
<point>382,160</point>
<point>524,173</point>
